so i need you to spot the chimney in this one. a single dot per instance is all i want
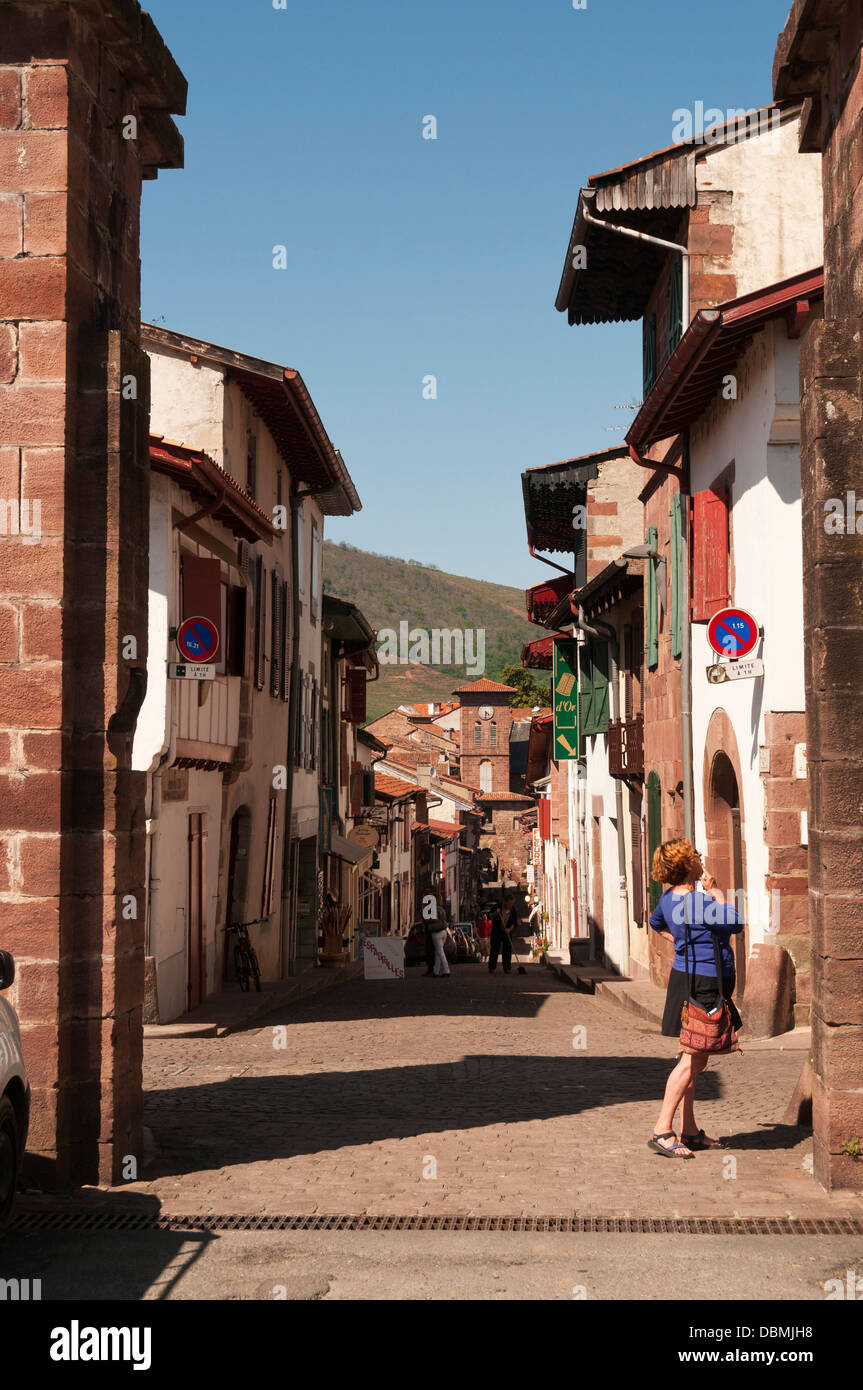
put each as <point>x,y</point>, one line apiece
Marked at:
<point>424,774</point>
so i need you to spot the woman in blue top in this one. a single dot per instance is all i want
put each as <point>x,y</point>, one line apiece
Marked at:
<point>694,919</point>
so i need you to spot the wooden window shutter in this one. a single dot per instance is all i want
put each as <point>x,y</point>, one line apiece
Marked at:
<point>652,604</point>
<point>313,730</point>
<point>628,676</point>
<point>649,352</point>
<point>276,636</point>
<point>344,770</point>
<point>637,870</point>
<point>202,591</point>
<point>585,690</point>
<point>269,862</point>
<point>286,683</point>
<point>677,586</point>
<point>356,788</point>
<point>709,553</point>
<point>675,303</point>
<point>544,818</point>
<point>260,617</point>
<point>600,686</point>
<point>355,712</point>
<point>237,608</point>
<point>654,831</point>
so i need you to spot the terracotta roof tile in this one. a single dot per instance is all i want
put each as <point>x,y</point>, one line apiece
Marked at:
<point>385,785</point>
<point>478,687</point>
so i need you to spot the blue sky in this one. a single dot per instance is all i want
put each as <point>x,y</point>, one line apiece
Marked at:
<point>409,257</point>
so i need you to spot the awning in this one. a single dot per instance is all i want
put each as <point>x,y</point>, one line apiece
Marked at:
<point>538,656</point>
<point>710,349</point>
<point>543,598</point>
<point>205,481</point>
<point>551,495</point>
<point>361,855</point>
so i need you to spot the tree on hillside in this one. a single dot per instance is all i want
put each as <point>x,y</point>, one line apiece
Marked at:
<point>529,692</point>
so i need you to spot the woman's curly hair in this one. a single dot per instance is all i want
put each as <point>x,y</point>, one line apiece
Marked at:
<point>673,862</point>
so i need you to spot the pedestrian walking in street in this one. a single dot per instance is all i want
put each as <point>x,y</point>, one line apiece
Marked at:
<point>702,978</point>
<point>483,933</point>
<point>439,933</point>
<point>503,923</point>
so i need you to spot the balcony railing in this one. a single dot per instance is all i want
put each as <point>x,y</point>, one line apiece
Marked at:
<point>626,747</point>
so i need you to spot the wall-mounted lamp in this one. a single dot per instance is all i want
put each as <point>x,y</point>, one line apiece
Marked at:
<point>647,552</point>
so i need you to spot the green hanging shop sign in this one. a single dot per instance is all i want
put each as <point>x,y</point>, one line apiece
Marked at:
<point>565,695</point>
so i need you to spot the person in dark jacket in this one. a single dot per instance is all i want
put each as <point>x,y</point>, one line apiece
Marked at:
<point>694,919</point>
<point>504,921</point>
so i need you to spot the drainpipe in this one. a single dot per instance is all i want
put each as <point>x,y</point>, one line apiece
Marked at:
<point>605,633</point>
<point>653,241</point>
<point>293,703</point>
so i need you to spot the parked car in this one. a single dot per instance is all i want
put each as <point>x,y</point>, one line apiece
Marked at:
<point>415,946</point>
<point>467,943</point>
<point>14,1095</point>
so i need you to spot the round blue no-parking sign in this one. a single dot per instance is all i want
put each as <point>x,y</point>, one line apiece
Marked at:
<point>198,640</point>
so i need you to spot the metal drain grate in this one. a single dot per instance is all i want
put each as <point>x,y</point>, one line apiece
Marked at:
<point>94,1221</point>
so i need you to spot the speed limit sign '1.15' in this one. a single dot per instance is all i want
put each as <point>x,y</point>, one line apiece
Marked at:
<point>733,633</point>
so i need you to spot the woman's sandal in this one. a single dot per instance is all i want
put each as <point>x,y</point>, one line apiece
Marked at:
<point>699,1142</point>
<point>672,1150</point>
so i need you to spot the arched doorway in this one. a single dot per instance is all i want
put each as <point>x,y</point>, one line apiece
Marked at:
<point>724,851</point>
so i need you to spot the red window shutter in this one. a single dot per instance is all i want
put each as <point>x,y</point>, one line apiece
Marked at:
<point>545,818</point>
<point>356,696</point>
<point>202,593</point>
<point>709,553</point>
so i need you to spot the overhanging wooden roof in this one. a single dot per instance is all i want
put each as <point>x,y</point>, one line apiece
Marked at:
<point>651,194</point>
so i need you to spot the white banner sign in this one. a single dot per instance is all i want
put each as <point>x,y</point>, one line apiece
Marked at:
<point>384,957</point>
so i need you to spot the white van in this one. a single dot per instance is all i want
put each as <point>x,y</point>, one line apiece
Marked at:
<point>14,1095</point>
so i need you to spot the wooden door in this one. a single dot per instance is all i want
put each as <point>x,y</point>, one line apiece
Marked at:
<point>197,907</point>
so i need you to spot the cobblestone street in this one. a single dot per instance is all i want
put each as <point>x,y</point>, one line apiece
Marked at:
<point>467,1097</point>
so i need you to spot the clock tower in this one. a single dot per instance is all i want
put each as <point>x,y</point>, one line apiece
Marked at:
<point>486,720</point>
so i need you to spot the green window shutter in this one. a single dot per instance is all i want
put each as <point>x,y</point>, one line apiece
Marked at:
<point>585,690</point>
<point>675,303</point>
<point>654,831</point>
<point>600,686</point>
<point>649,352</point>
<point>677,587</point>
<point>652,603</point>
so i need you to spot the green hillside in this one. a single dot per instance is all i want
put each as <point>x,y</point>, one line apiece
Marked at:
<point>391,591</point>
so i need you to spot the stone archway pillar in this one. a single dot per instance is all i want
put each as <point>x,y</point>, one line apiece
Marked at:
<point>85,95</point>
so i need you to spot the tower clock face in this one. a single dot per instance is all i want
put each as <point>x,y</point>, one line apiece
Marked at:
<point>485,711</point>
